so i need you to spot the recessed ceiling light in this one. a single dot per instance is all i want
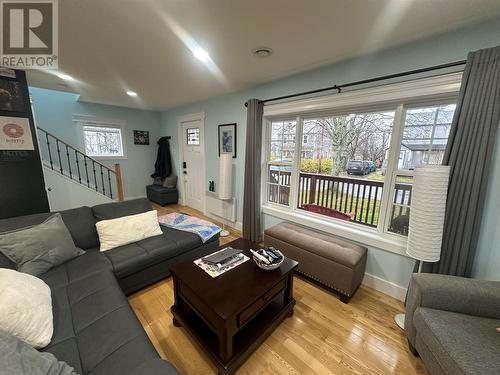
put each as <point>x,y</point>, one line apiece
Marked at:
<point>131,93</point>
<point>66,77</point>
<point>201,54</point>
<point>262,52</point>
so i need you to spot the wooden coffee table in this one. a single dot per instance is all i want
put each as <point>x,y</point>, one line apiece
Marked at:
<point>231,315</point>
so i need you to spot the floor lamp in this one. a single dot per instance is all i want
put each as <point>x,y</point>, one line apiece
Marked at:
<point>428,204</point>
<point>225,185</point>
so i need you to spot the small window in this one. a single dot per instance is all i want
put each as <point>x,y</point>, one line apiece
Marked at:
<point>103,141</point>
<point>193,136</point>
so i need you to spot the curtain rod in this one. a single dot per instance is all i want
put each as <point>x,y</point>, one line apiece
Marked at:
<point>365,81</point>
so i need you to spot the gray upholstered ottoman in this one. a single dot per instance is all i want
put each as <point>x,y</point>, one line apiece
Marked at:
<point>162,195</point>
<point>337,264</point>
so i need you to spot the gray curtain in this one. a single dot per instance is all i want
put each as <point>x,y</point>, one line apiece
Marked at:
<point>469,154</point>
<point>252,229</point>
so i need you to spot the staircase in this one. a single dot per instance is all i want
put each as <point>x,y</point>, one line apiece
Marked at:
<point>73,164</point>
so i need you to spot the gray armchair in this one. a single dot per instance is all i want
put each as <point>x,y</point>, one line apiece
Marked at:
<point>451,323</point>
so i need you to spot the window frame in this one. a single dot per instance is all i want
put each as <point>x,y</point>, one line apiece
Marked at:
<point>83,121</point>
<point>396,149</point>
<point>292,164</point>
<point>398,97</point>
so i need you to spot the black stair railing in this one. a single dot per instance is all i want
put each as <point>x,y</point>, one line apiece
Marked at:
<point>70,167</point>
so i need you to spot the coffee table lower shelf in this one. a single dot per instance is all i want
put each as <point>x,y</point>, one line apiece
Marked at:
<point>245,341</point>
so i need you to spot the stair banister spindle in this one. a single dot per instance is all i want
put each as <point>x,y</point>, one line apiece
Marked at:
<point>109,182</point>
<point>69,162</point>
<point>59,156</point>
<point>78,167</point>
<point>86,170</point>
<point>102,178</point>
<point>48,148</point>
<point>95,178</point>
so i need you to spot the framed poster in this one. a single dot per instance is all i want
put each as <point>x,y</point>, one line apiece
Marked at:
<point>141,137</point>
<point>227,139</point>
<point>11,96</point>
<point>5,72</point>
<point>15,134</point>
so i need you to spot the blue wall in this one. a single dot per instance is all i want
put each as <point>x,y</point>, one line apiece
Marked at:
<point>54,112</point>
<point>440,49</point>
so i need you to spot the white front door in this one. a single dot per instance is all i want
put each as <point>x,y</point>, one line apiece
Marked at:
<point>192,164</point>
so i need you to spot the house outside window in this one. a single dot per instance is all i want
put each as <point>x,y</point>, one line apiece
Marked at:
<point>354,167</point>
<point>102,139</point>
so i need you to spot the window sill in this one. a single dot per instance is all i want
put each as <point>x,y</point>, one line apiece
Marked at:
<point>108,158</point>
<point>349,231</point>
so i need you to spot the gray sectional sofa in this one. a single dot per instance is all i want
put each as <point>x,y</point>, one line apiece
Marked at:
<point>451,322</point>
<point>95,330</point>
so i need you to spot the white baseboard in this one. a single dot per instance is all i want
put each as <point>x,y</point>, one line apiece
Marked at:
<point>384,286</point>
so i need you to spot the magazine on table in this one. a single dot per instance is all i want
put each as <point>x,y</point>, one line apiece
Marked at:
<point>215,270</point>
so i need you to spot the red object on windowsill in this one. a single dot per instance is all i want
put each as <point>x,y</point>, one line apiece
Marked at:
<point>328,212</point>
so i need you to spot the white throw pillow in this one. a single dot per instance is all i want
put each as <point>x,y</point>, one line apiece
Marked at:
<point>127,229</point>
<point>25,308</point>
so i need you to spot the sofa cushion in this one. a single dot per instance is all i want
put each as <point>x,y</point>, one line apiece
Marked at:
<point>85,265</point>
<point>13,223</point>
<point>114,210</point>
<point>36,249</point>
<point>462,344</point>
<point>95,330</point>
<point>81,224</point>
<point>79,221</point>
<point>134,257</point>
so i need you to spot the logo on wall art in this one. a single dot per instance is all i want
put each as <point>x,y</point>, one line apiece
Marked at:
<point>13,130</point>
<point>29,34</point>
<point>15,134</point>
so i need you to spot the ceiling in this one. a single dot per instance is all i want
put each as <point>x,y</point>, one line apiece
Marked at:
<point>146,46</point>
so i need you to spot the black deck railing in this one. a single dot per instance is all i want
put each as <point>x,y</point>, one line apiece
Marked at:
<point>73,163</point>
<point>345,194</point>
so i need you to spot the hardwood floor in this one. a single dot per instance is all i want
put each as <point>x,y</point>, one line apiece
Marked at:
<point>324,336</point>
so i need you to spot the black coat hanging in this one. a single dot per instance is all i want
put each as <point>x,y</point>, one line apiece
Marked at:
<point>163,164</point>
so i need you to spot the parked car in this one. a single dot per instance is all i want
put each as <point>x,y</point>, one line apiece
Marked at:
<point>358,167</point>
<point>372,165</point>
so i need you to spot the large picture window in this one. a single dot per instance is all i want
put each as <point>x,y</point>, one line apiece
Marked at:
<point>355,167</point>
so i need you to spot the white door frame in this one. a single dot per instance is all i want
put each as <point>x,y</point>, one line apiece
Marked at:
<point>199,116</point>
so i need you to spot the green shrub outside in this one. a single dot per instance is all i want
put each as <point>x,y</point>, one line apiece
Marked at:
<point>312,166</point>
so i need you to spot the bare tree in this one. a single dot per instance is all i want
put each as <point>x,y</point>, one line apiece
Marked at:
<point>359,136</point>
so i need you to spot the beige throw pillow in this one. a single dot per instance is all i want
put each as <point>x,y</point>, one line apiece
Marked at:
<point>127,229</point>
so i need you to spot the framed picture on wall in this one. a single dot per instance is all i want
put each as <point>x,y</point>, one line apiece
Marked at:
<point>227,139</point>
<point>15,134</point>
<point>11,95</point>
<point>141,137</point>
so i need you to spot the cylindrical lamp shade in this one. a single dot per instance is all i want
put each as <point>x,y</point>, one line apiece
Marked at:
<point>225,176</point>
<point>428,204</point>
